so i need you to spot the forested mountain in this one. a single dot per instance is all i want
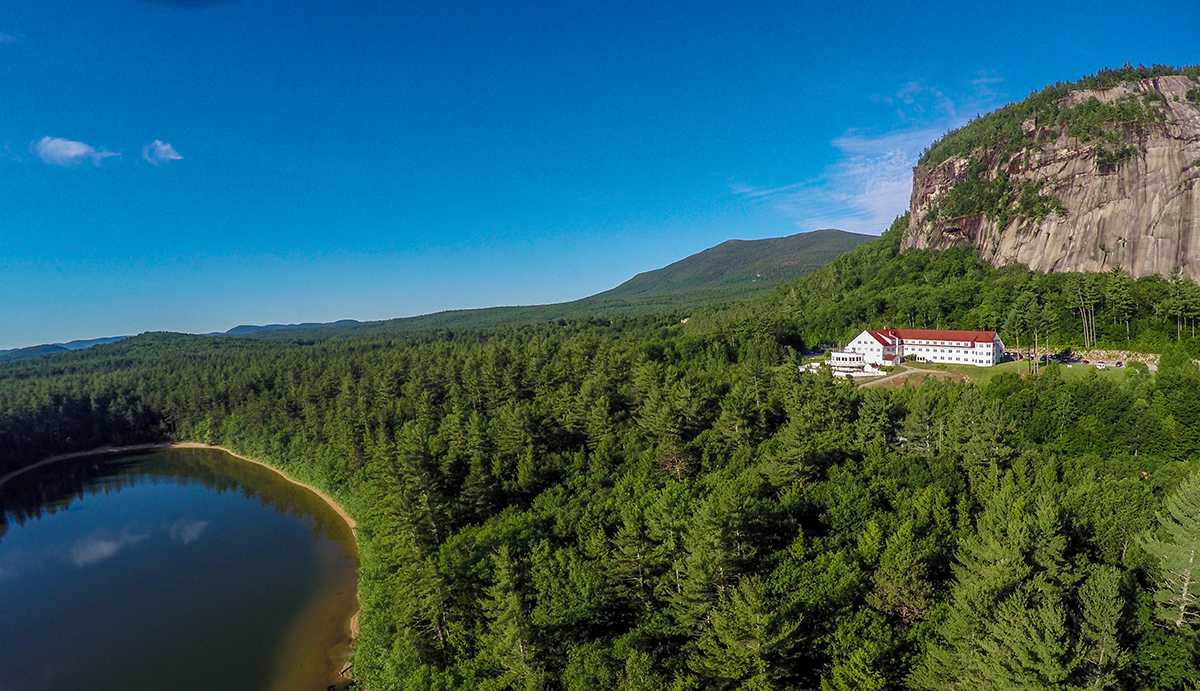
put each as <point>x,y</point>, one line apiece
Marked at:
<point>52,348</point>
<point>640,503</point>
<point>247,329</point>
<point>742,267</point>
<point>732,270</point>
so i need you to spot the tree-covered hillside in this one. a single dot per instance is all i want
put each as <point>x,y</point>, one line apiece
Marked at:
<point>642,503</point>
<point>1006,131</point>
<point>879,285</point>
<point>742,267</point>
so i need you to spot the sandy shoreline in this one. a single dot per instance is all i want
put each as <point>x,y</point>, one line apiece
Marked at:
<point>354,628</point>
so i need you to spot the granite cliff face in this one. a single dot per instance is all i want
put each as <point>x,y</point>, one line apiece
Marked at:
<point>1093,179</point>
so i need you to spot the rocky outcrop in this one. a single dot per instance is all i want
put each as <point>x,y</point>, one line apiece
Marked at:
<point>1125,198</point>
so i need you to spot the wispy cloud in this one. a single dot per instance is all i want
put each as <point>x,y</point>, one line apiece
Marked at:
<point>6,152</point>
<point>65,152</point>
<point>9,38</point>
<point>159,152</point>
<point>871,181</point>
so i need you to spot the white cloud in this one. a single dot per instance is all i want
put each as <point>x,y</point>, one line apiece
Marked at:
<point>64,152</point>
<point>8,38</point>
<point>159,152</point>
<point>870,183</point>
<point>186,532</point>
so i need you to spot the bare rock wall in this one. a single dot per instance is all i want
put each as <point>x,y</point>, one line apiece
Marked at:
<point>1142,214</point>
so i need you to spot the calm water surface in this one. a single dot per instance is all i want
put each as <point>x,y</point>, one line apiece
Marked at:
<point>175,570</point>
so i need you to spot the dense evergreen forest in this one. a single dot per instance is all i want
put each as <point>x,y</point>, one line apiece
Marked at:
<point>877,285</point>
<point>647,503</point>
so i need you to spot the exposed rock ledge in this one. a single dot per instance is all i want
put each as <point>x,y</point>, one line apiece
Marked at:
<point>1141,214</point>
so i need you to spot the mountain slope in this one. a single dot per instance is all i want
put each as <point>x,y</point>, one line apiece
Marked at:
<point>247,329</point>
<point>733,270</point>
<point>51,348</point>
<point>742,266</point>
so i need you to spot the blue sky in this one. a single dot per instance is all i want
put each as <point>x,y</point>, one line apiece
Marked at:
<point>192,165</point>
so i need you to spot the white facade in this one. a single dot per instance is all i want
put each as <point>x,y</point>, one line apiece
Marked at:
<point>876,349</point>
<point>845,363</point>
<point>979,348</point>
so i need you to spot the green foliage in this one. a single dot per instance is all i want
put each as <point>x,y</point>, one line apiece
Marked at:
<point>1102,606</point>
<point>996,198</point>
<point>1114,157</point>
<point>953,289</point>
<point>643,504</point>
<point>1003,133</point>
<point>1094,120</point>
<point>1177,552</point>
<point>1193,95</point>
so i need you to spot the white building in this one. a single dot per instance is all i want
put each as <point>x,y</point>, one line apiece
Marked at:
<point>893,346</point>
<point>846,362</point>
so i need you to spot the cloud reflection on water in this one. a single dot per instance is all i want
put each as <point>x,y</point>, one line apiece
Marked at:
<point>98,546</point>
<point>186,532</point>
<point>95,549</point>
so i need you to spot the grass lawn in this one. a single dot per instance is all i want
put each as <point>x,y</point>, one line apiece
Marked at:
<point>1077,371</point>
<point>982,375</point>
<point>979,375</point>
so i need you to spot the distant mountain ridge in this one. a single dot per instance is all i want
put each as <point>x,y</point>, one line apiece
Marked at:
<point>734,269</point>
<point>247,329</point>
<point>743,266</point>
<point>15,354</point>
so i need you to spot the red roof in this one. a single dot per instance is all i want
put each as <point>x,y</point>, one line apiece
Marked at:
<point>943,335</point>
<point>889,357</point>
<point>881,336</point>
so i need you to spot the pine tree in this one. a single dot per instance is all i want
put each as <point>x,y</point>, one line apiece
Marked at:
<point>1101,602</point>
<point>900,585</point>
<point>1120,298</point>
<point>1004,625</point>
<point>1178,555</point>
<point>508,645</point>
<point>744,631</point>
<point>855,673</point>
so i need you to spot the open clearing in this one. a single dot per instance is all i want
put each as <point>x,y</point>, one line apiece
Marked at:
<point>1071,372</point>
<point>915,375</point>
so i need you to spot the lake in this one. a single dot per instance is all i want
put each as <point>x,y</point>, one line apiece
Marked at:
<point>175,570</point>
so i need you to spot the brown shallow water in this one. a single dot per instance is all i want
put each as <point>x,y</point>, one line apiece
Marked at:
<point>179,569</point>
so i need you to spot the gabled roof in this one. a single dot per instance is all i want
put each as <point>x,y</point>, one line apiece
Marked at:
<point>881,337</point>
